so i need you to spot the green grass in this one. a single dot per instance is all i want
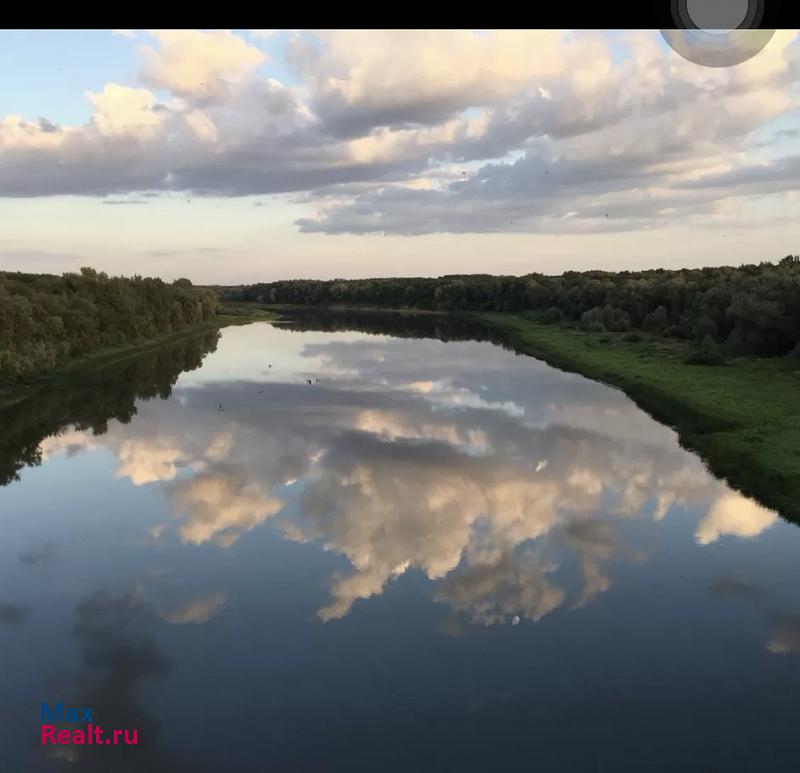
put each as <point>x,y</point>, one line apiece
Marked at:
<point>742,418</point>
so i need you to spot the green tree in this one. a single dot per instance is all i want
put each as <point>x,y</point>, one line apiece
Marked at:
<point>708,353</point>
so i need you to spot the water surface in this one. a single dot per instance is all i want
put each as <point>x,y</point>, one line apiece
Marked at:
<point>437,556</point>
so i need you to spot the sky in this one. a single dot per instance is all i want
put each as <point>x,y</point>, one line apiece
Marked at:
<point>234,156</point>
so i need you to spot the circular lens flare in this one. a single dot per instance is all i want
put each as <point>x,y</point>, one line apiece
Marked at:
<point>717,33</point>
<point>714,49</point>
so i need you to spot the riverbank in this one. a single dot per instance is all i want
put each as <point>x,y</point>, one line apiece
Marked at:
<point>233,314</point>
<point>742,418</point>
<point>408,310</point>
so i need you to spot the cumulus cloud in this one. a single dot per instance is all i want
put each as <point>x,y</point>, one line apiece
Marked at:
<point>734,515</point>
<point>496,592</point>
<point>146,461</point>
<point>396,469</point>
<point>69,441</point>
<point>120,111</point>
<point>374,137</point>
<point>364,79</point>
<point>195,62</point>
<point>220,506</point>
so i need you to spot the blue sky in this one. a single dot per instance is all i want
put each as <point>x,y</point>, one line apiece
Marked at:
<point>261,154</point>
<point>45,72</point>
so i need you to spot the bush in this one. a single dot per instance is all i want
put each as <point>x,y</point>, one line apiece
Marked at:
<point>622,323</point>
<point>613,319</point>
<point>656,321</point>
<point>595,327</point>
<point>634,337</point>
<point>553,316</point>
<point>704,326</point>
<point>708,353</point>
<point>592,317</point>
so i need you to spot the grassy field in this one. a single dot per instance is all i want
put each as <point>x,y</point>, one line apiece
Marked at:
<point>743,418</point>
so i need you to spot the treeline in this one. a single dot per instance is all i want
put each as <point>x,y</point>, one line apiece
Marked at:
<point>47,320</point>
<point>750,310</point>
<point>403,324</point>
<point>90,400</point>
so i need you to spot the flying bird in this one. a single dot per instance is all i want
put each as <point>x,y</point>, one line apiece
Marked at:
<point>316,381</point>
<point>308,381</point>
<point>220,408</point>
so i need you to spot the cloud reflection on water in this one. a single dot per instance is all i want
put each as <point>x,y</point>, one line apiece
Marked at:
<point>484,471</point>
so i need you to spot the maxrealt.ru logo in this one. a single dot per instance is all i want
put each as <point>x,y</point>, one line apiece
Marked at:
<point>88,734</point>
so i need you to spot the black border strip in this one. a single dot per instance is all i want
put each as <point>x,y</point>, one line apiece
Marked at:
<point>552,14</point>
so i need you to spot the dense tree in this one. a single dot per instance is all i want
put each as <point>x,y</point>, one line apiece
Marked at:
<point>46,320</point>
<point>553,316</point>
<point>707,353</point>
<point>748,310</point>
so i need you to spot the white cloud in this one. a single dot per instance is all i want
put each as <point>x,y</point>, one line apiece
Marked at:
<point>220,507</point>
<point>192,62</point>
<point>147,461</point>
<point>733,514</point>
<point>404,478</point>
<point>383,124</point>
<point>121,111</point>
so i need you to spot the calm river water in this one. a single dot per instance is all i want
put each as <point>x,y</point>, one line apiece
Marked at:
<point>436,556</point>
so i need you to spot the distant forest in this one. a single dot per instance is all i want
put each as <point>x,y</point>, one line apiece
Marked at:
<point>752,310</point>
<point>47,320</point>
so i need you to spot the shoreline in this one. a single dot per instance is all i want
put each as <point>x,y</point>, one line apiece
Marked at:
<point>14,393</point>
<point>742,419</point>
